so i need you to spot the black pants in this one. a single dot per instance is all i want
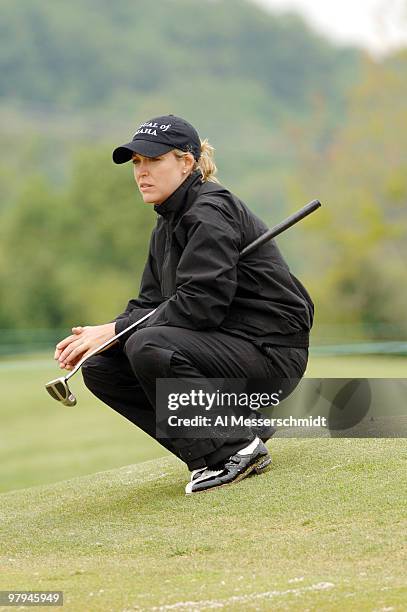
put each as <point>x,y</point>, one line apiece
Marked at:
<point>125,378</point>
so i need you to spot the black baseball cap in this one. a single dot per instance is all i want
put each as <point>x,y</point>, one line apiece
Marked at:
<point>158,136</point>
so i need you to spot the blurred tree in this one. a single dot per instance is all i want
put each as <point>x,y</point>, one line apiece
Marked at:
<point>46,57</point>
<point>267,91</point>
<point>29,265</point>
<point>361,177</point>
<point>90,70</point>
<point>110,226</point>
<point>74,257</point>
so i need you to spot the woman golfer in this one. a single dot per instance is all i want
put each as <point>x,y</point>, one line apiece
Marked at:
<point>216,316</point>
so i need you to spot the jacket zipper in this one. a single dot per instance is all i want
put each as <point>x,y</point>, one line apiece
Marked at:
<point>165,274</point>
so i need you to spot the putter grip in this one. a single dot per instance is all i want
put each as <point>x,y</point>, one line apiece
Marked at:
<point>281,227</point>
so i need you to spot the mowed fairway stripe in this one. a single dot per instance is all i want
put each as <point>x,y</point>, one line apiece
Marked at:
<point>239,599</point>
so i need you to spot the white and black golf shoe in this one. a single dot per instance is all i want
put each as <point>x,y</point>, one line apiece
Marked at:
<point>197,473</point>
<point>253,459</point>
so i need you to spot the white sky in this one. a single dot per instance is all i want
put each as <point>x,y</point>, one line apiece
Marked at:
<point>379,25</point>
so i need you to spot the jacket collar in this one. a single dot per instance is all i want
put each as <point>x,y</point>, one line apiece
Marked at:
<point>179,198</point>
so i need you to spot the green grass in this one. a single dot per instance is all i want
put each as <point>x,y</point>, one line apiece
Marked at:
<point>324,529</point>
<point>357,366</point>
<point>43,442</point>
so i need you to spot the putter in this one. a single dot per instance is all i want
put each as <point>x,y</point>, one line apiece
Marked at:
<point>59,389</point>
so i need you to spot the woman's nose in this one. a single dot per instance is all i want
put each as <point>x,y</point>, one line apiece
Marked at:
<point>142,169</point>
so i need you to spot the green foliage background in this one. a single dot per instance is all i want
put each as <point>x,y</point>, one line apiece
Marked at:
<point>292,117</point>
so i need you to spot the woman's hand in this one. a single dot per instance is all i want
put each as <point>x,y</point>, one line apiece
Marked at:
<point>82,342</point>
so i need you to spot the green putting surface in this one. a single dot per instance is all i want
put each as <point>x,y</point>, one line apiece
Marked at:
<point>324,529</point>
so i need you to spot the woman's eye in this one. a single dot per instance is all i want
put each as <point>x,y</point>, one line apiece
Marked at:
<point>136,161</point>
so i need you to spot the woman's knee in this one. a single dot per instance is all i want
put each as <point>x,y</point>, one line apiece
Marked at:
<point>150,349</point>
<point>94,371</point>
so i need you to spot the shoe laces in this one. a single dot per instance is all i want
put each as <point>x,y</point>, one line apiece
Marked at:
<point>222,465</point>
<point>232,461</point>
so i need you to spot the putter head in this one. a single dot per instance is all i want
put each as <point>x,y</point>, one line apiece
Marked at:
<point>59,390</point>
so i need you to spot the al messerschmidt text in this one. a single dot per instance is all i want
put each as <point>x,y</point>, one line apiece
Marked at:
<point>240,421</point>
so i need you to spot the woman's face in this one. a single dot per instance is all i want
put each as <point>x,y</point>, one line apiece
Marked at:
<point>158,177</point>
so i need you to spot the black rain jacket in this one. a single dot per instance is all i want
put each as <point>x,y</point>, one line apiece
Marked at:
<point>194,276</point>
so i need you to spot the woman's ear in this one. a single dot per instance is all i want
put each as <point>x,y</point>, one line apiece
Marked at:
<point>188,162</point>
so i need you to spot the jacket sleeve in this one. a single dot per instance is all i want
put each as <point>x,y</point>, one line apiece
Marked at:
<point>206,277</point>
<point>149,296</point>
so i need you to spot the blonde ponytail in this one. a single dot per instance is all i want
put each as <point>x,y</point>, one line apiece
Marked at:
<point>206,163</point>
